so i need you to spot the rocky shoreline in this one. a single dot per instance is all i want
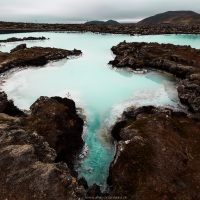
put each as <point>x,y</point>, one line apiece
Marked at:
<point>132,29</point>
<point>181,61</point>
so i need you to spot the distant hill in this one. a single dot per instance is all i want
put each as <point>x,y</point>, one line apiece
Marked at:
<point>103,22</point>
<point>178,18</point>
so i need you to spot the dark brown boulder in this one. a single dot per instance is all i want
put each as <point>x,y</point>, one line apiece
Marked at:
<point>57,121</point>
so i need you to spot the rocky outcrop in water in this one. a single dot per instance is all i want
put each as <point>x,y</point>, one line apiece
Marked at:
<point>14,39</point>
<point>34,56</point>
<point>30,147</point>
<point>181,61</point>
<point>157,155</point>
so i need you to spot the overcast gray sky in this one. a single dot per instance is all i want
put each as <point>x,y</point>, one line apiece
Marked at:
<point>64,11</point>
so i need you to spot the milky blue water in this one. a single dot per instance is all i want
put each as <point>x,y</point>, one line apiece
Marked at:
<point>102,92</point>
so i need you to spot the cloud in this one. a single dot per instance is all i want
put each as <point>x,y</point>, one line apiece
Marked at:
<point>82,10</point>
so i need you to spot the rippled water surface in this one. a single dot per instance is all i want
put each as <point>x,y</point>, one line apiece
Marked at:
<point>101,91</point>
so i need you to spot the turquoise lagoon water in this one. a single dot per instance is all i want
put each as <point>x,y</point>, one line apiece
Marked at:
<point>103,92</point>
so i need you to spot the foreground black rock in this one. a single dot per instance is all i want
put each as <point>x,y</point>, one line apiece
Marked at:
<point>28,163</point>
<point>157,156</point>
<point>181,61</point>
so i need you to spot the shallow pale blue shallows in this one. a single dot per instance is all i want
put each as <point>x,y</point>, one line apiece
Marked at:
<point>102,92</point>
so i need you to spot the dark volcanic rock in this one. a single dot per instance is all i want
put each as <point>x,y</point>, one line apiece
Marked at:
<point>56,120</point>
<point>18,47</point>
<point>14,39</point>
<point>157,156</point>
<point>181,61</point>
<point>34,56</point>
<point>8,107</point>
